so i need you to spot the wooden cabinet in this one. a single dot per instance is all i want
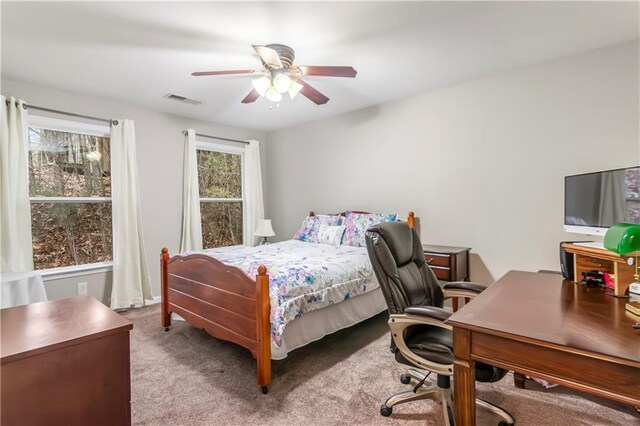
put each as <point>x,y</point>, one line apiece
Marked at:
<point>448,263</point>
<point>586,258</point>
<point>65,362</point>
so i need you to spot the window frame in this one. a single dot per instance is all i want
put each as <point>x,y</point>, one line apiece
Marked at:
<point>227,149</point>
<point>50,123</point>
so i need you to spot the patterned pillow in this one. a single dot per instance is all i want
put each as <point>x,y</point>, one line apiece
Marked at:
<point>331,235</point>
<point>357,224</point>
<point>308,232</point>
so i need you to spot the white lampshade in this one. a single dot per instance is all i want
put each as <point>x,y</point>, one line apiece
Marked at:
<point>281,82</point>
<point>261,85</point>
<point>264,228</point>
<point>273,95</point>
<point>294,89</point>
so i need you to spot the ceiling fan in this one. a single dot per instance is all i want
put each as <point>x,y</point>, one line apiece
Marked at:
<point>280,75</point>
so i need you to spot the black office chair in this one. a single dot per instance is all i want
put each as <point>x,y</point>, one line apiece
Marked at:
<point>419,336</point>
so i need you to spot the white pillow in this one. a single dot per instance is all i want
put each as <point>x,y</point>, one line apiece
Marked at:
<point>331,235</point>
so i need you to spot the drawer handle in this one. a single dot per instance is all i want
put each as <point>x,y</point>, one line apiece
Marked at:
<point>429,261</point>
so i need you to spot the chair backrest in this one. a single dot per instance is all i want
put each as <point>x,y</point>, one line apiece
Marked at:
<point>398,261</point>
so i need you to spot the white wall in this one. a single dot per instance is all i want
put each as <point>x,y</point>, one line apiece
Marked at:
<point>482,163</point>
<point>159,152</point>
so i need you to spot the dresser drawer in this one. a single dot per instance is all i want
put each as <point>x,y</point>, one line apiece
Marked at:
<point>437,259</point>
<point>447,262</point>
<point>442,273</point>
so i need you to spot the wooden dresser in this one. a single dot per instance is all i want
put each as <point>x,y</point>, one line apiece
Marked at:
<point>448,263</point>
<point>65,362</point>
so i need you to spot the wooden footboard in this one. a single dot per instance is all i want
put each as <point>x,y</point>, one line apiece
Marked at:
<point>222,300</point>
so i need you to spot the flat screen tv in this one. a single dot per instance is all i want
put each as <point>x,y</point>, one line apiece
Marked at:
<point>595,201</point>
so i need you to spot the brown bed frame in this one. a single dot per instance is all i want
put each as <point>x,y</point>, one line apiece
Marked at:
<point>223,301</point>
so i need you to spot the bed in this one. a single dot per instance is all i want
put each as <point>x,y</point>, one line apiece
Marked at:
<point>301,292</point>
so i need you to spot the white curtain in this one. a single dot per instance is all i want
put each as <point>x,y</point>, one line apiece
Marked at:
<point>15,211</point>
<point>253,191</point>
<point>131,283</point>
<point>191,227</point>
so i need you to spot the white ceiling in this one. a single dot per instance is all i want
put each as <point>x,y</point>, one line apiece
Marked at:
<point>138,52</point>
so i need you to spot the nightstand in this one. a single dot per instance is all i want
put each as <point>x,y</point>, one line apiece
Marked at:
<point>448,263</point>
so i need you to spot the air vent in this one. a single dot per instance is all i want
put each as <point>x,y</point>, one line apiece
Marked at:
<point>181,98</point>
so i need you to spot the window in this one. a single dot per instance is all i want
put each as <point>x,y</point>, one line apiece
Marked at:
<point>632,183</point>
<point>220,178</point>
<point>70,193</point>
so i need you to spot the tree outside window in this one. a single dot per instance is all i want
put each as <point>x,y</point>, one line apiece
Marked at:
<point>632,181</point>
<point>221,202</point>
<point>70,193</point>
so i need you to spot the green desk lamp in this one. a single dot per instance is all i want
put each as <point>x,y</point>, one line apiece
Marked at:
<point>624,239</point>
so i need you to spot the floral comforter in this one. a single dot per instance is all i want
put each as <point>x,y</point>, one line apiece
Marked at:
<point>303,276</point>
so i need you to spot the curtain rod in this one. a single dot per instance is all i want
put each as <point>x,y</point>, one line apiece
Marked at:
<point>71,114</point>
<point>184,132</point>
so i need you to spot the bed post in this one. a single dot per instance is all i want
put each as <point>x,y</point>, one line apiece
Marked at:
<point>263,321</point>
<point>411,220</point>
<point>164,288</point>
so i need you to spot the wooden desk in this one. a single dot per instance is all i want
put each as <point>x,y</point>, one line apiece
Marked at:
<point>65,362</point>
<point>546,327</point>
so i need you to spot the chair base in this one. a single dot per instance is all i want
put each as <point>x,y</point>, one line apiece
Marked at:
<point>445,394</point>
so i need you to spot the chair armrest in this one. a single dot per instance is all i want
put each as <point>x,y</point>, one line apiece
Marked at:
<point>465,285</point>
<point>424,315</point>
<point>429,311</point>
<point>462,289</point>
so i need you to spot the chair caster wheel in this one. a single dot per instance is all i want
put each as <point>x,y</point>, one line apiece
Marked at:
<point>264,389</point>
<point>504,423</point>
<point>405,379</point>
<point>386,411</point>
<point>166,329</point>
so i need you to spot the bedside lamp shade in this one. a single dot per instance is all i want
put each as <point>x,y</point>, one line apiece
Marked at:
<point>623,238</point>
<point>264,230</point>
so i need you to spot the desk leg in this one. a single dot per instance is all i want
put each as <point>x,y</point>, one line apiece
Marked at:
<point>464,378</point>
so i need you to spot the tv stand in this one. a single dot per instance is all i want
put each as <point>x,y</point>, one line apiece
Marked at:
<point>586,258</point>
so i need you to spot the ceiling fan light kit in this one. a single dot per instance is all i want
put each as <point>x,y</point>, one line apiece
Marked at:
<point>282,76</point>
<point>273,95</point>
<point>294,89</point>
<point>261,85</point>
<point>281,82</point>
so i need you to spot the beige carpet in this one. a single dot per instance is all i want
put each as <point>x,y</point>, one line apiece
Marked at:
<point>186,377</point>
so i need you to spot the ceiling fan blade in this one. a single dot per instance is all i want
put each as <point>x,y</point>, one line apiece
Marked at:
<point>228,72</point>
<point>311,93</point>
<point>251,97</point>
<point>328,71</point>
<point>269,56</point>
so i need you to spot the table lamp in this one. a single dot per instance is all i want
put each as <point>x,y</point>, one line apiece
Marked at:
<point>264,230</point>
<point>624,239</point>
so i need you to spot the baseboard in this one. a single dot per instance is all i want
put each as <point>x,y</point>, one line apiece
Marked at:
<point>155,301</point>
